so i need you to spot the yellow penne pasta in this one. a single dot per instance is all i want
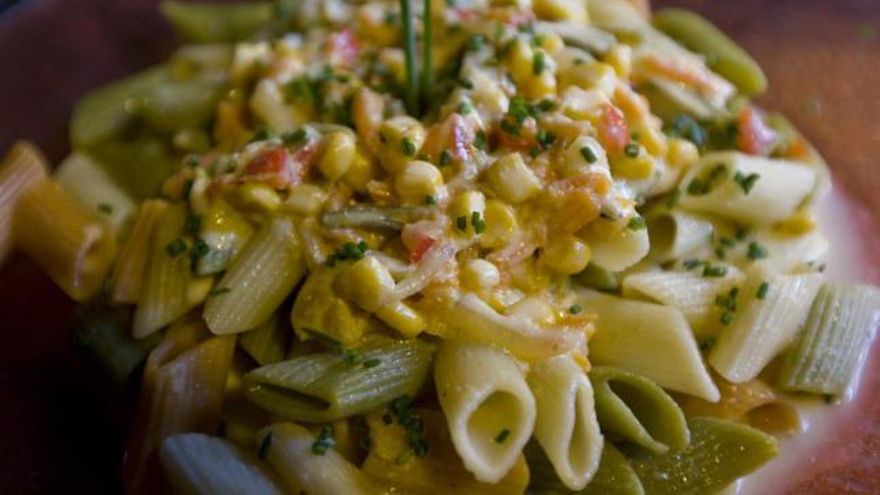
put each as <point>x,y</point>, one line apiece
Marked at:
<point>22,167</point>
<point>68,241</point>
<point>128,274</point>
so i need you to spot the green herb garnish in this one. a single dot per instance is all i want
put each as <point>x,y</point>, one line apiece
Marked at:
<point>589,155</point>
<point>502,436</point>
<point>175,247</point>
<point>324,442</point>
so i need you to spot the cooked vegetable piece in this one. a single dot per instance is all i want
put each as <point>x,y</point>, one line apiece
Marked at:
<point>216,22</point>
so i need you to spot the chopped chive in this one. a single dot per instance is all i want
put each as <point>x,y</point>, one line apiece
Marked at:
<point>546,105</point>
<point>714,271</point>
<point>187,187</point>
<point>695,187</point>
<point>741,234</point>
<point>636,223</point>
<point>707,344</point>
<point>372,363</point>
<point>461,223</point>
<point>539,64</point>
<point>175,247</point>
<point>720,253</point>
<point>192,224</point>
<point>480,140</point>
<point>673,199</point>
<point>465,83</point>
<point>476,42</point>
<point>408,147</point>
<point>589,155</point>
<point>445,158</point>
<point>756,251</point>
<point>502,436</point>
<point>295,138</point>
<point>545,138</point>
<point>431,200</point>
<point>265,444</point>
<point>746,182</point>
<point>763,289</point>
<point>218,291</point>
<point>477,222</point>
<point>464,108</point>
<point>322,337</point>
<point>631,150</point>
<point>105,208</point>
<point>691,264</point>
<point>575,309</point>
<point>324,442</point>
<point>726,318</point>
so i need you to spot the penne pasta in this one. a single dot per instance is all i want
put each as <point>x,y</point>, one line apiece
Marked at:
<point>169,288</point>
<point>105,333</point>
<point>689,292</point>
<point>289,449</point>
<point>88,182</point>
<point>67,240</point>
<point>566,426</point>
<point>198,464</point>
<point>676,233</point>
<point>747,189</point>
<point>268,342</point>
<point>635,409</point>
<point>483,394</point>
<point>614,476</point>
<point>644,338</point>
<point>392,462</point>
<point>764,326</point>
<point>318,307</point>
<point>131,264</point>
<point>827,353</point>
<point>21,168</point>
<point>719,453</point>
<point>621,251</point>
<point>327,387</point>
<point>258,281</point>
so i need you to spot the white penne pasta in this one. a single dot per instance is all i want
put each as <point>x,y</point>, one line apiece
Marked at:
<point>675,233</point>
<point>689,292</point>
<point>88,182</point>
<point>258,281</point>
<point>170,289</point>
<point>765,324</point>
<point>128,274</point>
<point>719,184</point>
<point>644,338</point>
<point>620,252</point>
<point>483,394</point>
<point>789,254</point>
<point>566,425</point>
<point>23,167</point>
<point>69,242</point>
<point>198,464</point>
<point>288,448</point>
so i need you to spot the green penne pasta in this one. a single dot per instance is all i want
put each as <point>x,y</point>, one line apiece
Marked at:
<point>170,289</point>
<point>217,22</point>
<point>826,354</point>
<point>268,342</point>
<point>105,334</point>
<point>719,453</point>
<point>722,54</point>
<point>258,281</point>
<point>637,410</point>
<point>331,386</point>
<point>614,477</point>
<point>199,464</point>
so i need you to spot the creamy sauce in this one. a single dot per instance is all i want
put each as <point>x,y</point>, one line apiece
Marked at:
<point>819,420</point>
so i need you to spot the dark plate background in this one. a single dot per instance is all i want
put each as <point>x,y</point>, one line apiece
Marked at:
<point>61,430</point>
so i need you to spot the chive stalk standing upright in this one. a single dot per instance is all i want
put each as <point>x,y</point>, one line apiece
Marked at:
<point>409,47</point>
<point>427,64</point>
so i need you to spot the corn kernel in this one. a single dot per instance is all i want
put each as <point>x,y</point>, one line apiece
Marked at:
<point>551,43</point>
<point>400,140</point>
<point>541,85</point>
<point>512,179</point>
<point>620,57</point>
<point>604,228</point>
<point>533,309</point>
<point>596,75</point>
<point>633,168</point>
<point>305,199</point>
<point>561,10</point>
<point>582,104</point>
<point>583,154</point>
<point>500,224</point>
<point>567,255</point>
<point>418,180</point>
<point>520,62</point>
<point>258,196</point>
<point>463,208</point>
<point>402,318</point>
<point>681,153</point>
<point>339,152</point>
<point>366,283</point>
<point>653,140</point>
<point>361,171</point>
<point>479,274</point>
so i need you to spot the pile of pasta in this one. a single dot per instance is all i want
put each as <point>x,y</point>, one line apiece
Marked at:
<point>567,255</point>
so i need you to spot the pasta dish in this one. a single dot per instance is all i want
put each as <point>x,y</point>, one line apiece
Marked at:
<point>464,247</point>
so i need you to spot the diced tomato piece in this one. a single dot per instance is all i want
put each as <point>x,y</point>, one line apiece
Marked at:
<point>418,240</point>
<point>344,48</point>
<point>420,249</point>
<point>755,137</point>
<point>798,149</point>
<point>276,168</point>
<point>613,131</point>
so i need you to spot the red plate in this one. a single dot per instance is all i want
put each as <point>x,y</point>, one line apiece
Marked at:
<point>59,428</point>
